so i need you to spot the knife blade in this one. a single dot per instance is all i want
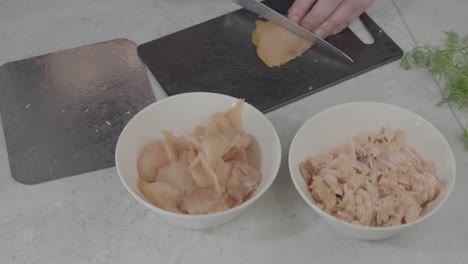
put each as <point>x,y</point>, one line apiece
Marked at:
<point>270,14</point>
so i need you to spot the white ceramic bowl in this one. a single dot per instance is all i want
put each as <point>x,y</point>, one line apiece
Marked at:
<point>336,125</point>
<point>180,114</point>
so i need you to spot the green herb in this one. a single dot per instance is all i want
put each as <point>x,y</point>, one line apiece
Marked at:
<point>449,64</point>
<point>465,137</point>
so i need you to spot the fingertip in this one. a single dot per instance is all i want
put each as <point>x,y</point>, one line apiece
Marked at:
<point>299,9</point>
<point>320,32</point>
<point>340,28</point>
<point>307,26</point>
<point>294,18</point>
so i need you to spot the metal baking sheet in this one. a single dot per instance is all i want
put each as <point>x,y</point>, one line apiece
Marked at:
<point>63,112</point>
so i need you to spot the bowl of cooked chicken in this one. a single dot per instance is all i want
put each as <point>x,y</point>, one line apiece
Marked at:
<point>198,159</point>
<point>371,170</point>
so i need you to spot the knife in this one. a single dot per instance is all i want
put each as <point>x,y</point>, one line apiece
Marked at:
<point>270,14</point>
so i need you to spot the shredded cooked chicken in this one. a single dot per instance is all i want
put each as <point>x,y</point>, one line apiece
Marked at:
<point>375,180</point>
<point>213,169</point>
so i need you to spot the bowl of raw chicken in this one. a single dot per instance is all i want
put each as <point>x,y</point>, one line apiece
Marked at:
<point>198,159</point>
<point>371,170</point>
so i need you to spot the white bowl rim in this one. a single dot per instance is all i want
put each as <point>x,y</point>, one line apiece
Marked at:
<point>240,207</point>
<point>362,227</point>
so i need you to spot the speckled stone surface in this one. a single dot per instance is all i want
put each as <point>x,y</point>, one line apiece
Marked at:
<point>92,219</point>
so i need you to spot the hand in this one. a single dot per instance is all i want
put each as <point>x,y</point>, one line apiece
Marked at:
<point>325,17</point>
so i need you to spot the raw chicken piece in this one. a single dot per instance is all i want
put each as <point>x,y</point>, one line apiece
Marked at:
<point>276,45</point>
<point>177,175</point>
<point>197,175</point>
<point>211,170</point>
<point>214,145</point>
<point>191,154</point>
<point>199,131</point>
<point>206,178</point>
<point>229,123</point>
<point>195,139</point>
<point>204,201</point>
<point>223,171</point>
<point>151,160</point>
<point>230,201</point>
<point>222,123</point>
<point>253,153</point>
<point>160,194</point>
<point>174,146</point>
<point>243,141</point>
<point>236,154</point>
<point>243,181</point>
<point>234,115</point>
<point>375,180</point>
<point>181,206</point>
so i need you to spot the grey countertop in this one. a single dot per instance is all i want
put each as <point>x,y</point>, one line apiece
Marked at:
<point>91,218</point>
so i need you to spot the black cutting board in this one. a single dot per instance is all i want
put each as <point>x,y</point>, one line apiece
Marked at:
<point>218,56</point>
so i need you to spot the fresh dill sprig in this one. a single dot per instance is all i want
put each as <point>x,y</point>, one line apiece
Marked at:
<point>448,63</point>
<point>465,137</point>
